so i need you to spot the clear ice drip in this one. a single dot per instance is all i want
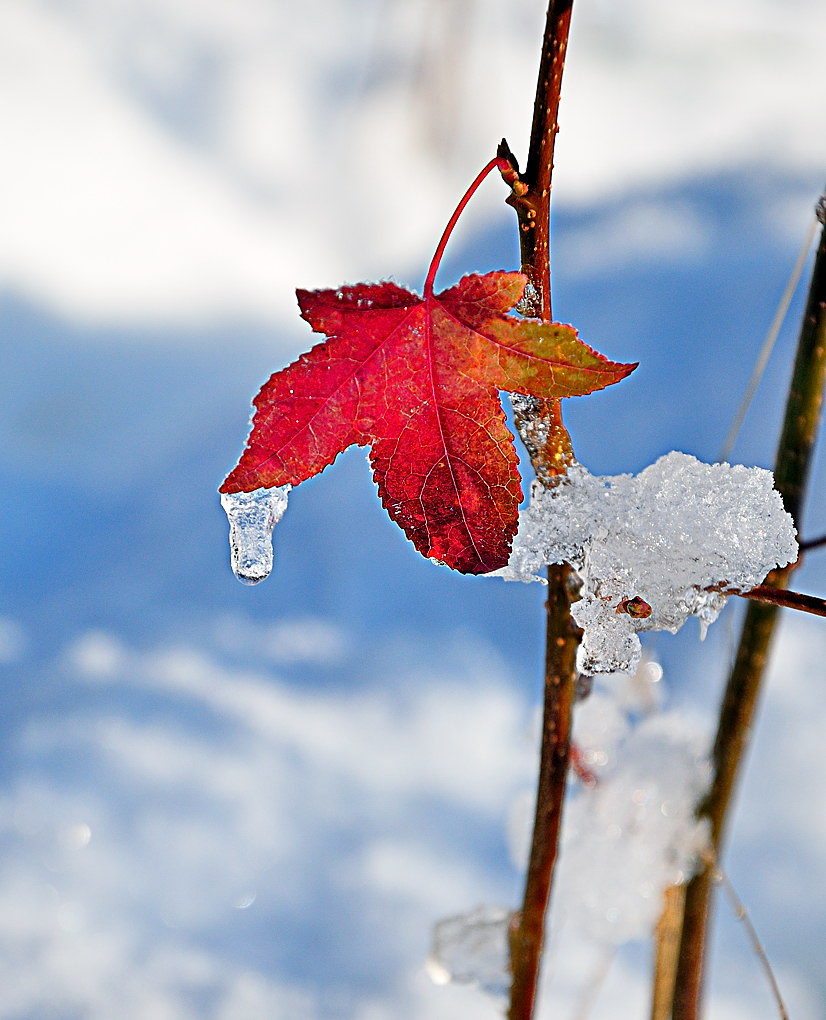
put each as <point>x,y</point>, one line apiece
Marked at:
<point>678,536</point>
<point>252,518</point>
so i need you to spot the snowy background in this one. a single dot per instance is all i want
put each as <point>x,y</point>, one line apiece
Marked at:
<point>224,803</point>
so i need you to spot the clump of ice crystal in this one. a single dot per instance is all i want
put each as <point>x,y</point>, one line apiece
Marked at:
<point>669,536</point>
<point>472,949</point>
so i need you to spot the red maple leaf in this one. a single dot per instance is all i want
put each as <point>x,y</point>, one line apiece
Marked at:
<point>417,378</point>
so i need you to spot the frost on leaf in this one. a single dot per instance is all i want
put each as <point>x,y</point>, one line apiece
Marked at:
<point>669,537</point>
<point>252,517</point>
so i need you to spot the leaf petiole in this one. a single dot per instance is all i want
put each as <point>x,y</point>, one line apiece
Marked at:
<point>505,167</point>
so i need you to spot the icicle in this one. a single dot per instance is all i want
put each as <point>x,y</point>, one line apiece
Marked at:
<point>252,517</point>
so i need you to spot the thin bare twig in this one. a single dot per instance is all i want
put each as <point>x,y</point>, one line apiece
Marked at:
<point>812,543</point>
<point>785,598</point>
<point>768,343</point>
<point>742,915</point>
<point>794,454</point>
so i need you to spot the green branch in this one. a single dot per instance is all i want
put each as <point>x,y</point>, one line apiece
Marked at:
<point>794,454</point>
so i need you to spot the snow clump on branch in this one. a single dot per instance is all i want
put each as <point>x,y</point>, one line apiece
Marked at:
<point>652,549</point>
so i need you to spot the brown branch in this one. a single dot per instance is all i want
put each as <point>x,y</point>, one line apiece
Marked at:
<point>540,426</point>
<point>527,930</point>
<point>532,204</point>
<point>785,598</point>
<point>539,422</point>
<point>666,951</point>
<point>794,454</point>
<point>812,543</point>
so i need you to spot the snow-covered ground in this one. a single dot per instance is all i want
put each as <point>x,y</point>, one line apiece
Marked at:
<point>222,802</point>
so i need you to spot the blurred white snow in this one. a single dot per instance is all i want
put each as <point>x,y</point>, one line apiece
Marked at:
<point>270,802</point>
<point>186,162</point>
<point>172,821</point>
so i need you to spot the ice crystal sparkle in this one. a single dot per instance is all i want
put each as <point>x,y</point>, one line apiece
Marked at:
<point>668,536</point>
